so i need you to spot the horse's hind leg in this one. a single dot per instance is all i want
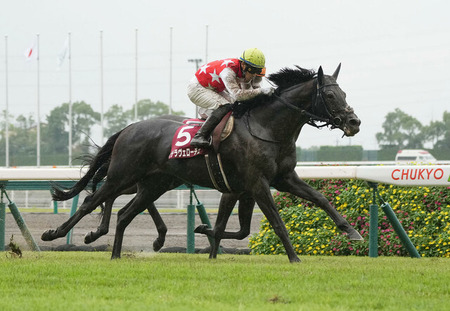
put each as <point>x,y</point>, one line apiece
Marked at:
<point>293,184</point>
<point>245,213</point>
<point>109,191</point>
<point>160,227</point>
<point>227,203</point>
<point>87,207</point>
<point>103,228</point>
<point>125,217</point>
<point>148,191</point>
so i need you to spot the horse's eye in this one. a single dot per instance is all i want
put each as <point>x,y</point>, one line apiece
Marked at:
<point>330,95</point>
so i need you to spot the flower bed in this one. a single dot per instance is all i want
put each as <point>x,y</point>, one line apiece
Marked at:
<point>424,213</point>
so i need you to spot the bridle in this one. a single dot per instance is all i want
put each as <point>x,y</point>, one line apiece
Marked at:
<point>318,108</point>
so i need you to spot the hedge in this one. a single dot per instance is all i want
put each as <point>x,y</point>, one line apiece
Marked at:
<point>424,213</point>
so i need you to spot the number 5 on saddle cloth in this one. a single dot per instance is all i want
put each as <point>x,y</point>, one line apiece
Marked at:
<point>182,149</point>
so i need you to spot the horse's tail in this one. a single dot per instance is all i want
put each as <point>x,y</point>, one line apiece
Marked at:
<point>98,166</point>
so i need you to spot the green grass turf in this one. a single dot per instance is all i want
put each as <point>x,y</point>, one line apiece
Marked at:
<point>149,281</point>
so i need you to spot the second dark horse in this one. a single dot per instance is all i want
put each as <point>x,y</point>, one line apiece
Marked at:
<point>259,154</point>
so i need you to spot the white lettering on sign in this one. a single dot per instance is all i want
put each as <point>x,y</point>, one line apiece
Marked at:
<point>417,174</point>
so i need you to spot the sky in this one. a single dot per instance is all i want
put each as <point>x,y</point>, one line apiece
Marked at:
<point>394,54</point>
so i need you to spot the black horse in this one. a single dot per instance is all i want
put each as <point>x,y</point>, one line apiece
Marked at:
<point>260,153</point>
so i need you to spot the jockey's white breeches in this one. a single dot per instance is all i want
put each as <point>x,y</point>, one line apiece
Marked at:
<point>207,99</point>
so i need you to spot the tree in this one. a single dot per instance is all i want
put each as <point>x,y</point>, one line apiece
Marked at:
<point>443,140</point>
<point>117,118</point>
<point>56,138</point>
<point>23,136</point>
<point>148,109</point>
<point>401,130</point>
<point>435,131</point>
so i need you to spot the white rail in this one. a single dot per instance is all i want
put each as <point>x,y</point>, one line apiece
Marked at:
<point>403,175</point>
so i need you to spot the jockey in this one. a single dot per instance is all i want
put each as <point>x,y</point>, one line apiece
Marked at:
<point>219,83</point>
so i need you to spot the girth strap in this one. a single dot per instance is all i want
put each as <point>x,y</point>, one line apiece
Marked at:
<point>216,173</point>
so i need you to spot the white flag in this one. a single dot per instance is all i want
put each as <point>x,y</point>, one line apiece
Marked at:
<point>32,52</point>
<point>63,53</point>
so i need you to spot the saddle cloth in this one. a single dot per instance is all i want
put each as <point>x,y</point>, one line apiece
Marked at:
<point>181,141</point>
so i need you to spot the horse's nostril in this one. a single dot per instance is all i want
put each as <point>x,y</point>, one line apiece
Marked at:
<point>354,122</point>
<point>337,121</point>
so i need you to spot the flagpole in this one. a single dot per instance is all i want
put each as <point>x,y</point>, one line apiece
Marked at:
<point>170,73</point>
<point>7,105</point>
<point>38,131</point>
<point>206,45</point>
<point>70,98</point>
<point>136,80</point>
<point>101,86</point>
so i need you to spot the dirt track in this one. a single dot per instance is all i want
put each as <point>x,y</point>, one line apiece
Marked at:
<point>139,236</point>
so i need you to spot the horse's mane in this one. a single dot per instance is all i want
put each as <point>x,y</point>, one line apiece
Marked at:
<point>285,78</point>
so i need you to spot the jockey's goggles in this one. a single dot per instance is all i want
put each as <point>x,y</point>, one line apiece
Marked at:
<point>258,71</point>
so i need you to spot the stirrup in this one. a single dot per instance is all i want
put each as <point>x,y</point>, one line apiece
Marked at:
<point>201,142</point>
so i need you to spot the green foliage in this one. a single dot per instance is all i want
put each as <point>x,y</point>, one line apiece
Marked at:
<point>117,118</point>
<point>55,133</point>
<point>402,130</point>
<point>387,153</point>
<point>340,153</point>
<point>424,212</point>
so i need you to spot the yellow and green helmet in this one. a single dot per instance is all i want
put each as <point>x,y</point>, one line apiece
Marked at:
<point>255,59</point>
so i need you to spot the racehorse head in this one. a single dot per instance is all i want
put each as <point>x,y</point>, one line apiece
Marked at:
<point>330,104</point>
<point>327,103</point>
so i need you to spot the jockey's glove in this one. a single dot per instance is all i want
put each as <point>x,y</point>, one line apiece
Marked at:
<point>267,90</point>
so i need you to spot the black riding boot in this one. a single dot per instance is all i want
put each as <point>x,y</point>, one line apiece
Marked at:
<point>201,139</point>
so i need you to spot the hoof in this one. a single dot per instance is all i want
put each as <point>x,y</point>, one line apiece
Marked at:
<point>355,236</point>
<point>89,238</point>
<point>294,260</point>
<point>202,229</point>
<point>157,245</point>
<point>48,235</point>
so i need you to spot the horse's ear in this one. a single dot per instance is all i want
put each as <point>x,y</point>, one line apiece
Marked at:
<point>336,72</point>
<point>320,76</point>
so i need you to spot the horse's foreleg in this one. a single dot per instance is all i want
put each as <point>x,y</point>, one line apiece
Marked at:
<point>267,205</point>
<point>293,184</point>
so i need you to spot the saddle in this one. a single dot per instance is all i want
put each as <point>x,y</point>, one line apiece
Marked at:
<point>213,161</point>
<point>181,147</point>
<point>222,130</point>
